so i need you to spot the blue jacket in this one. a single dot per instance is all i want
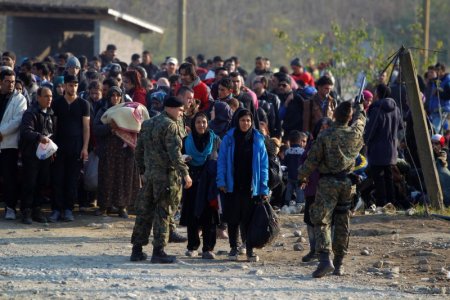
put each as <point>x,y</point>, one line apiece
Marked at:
<point>260,162</point>
<point>293,160</point>
<point>433,104</point>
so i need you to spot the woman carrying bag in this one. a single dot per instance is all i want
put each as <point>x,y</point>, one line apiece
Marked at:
<point>242,174</point>
<point>118,179</point>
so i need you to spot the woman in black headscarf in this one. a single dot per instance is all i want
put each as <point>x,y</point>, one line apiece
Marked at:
<point>118,180</point>
<point>200,201</point>
<point>242,174</point>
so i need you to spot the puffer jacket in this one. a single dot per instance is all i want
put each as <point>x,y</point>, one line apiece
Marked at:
<point>9,126</point>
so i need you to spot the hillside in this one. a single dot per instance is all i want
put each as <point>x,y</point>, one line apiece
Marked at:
<point>245,28</point>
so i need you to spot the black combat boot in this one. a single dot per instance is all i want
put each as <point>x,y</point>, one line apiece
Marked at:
<point>175,237</point>
<point>311,256</point>
<point>137,254</point>
<point>159,256</point>
<point>338,267</point>
<point>26,216</point>
<point>38,216</point>
<point>325,265</point>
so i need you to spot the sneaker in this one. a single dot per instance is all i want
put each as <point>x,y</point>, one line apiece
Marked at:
<point>253,258</point>
<point>55,216</point>
<point>177,216</point>
<point>222,234</point>
<point>83,209</point>
<point>101,212</point>
<point>208,255</point>
<point>233,255</point>
<point>292,203</point>
<point>38,216</point>
<point>242,249</point>
<point>123,213</point>
<point>68,215</point>
<point>10,214</point>
<point>175,237</point>
<point>26,216</point>
<point>191,253</point>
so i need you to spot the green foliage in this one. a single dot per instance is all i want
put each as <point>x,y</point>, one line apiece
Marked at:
<point>346,52</point>
<point>421,211</point>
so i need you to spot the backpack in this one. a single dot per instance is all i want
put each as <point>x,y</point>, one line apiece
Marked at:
<point>275,172</point>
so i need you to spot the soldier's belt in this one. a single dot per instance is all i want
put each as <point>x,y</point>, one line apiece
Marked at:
<point>338,176</point>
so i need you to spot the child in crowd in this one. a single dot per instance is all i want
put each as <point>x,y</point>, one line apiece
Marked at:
<point>292,160</point>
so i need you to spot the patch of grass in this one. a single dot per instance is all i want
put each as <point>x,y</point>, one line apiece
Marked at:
<point>421,211</point>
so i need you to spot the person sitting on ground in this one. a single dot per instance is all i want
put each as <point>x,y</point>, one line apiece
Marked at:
<point>441,154</point>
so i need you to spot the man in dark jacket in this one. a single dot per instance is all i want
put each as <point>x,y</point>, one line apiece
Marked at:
<point>38,125</point>
<point>270,104</point>
<point>245,100</point>
<point>380,137</point>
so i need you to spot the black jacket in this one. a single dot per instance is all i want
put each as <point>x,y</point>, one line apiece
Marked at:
<point>381,131</point>
<point>35,124</point>
<point>271,105</point>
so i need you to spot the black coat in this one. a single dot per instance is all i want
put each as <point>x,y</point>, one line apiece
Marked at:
<point>35,124</point>
<point>381,132</point>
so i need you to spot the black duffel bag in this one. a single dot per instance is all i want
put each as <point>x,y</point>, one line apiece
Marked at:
<point>264,226</point>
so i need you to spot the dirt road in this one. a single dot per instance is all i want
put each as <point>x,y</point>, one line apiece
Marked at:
<point>391,257</point>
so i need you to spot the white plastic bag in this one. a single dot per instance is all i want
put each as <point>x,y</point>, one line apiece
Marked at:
<point>44,151</point>
<point>91,172</point>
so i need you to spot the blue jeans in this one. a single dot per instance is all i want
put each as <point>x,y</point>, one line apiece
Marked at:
<point>291,187</point>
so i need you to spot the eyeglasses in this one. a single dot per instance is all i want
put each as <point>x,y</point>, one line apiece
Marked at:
<point>9,81</point>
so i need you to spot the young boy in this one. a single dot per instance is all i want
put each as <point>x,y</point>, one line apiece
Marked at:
<point>292,161</point>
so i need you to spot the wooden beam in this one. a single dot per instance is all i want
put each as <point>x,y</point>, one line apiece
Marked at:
<point>423,139</point>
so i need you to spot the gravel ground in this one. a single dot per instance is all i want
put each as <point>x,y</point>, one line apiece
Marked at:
<point>89,259</point>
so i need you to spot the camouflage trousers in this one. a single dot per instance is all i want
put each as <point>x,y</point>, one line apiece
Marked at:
<point>332,207</point>
<point>157,202</point>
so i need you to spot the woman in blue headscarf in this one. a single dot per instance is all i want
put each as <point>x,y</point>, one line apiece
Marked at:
<point>200,203</point>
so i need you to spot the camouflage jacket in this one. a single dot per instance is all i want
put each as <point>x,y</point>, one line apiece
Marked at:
<point>158,147</point>
<point>336,148</point>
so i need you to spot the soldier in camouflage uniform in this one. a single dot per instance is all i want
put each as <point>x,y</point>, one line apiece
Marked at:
<point>186,95</point>
<point>333,154</point>
<point>158,155</point>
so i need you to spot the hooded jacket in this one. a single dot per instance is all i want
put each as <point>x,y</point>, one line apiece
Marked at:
<point>260,163</point>
<point>381,131</point>
<point>10,123</point>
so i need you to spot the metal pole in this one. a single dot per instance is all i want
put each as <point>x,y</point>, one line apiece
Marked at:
<point>426,30</point>
<point>421,133</point>
<point>181,43</point>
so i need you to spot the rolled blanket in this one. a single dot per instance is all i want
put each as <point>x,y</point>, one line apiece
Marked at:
<point>128,116</point>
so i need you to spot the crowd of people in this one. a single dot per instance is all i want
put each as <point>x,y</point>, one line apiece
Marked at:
<point>210,139</point>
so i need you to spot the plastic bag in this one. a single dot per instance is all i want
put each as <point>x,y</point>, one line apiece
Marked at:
<point>264,226</point>
<point>91,173</point>
<point>45,151</point>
